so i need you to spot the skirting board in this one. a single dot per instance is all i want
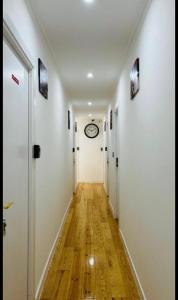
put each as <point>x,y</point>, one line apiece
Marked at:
<point>51,254</point>
<point>112,209</point>
<point>130,261</point>
<point>133,269</point>
<point>105,189</point>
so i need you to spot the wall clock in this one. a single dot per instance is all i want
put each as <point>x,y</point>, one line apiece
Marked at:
<point>91,130</point>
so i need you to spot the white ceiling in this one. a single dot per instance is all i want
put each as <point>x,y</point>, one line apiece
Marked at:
<point>89,38</point>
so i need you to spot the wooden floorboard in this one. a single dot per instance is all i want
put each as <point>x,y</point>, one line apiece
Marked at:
<point>89,261</point>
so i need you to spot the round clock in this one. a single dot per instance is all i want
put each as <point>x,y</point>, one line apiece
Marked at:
<point>91,130</point>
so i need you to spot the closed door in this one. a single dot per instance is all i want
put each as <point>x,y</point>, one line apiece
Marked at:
<point>15,175</point>
<point>90,153</point>
<point>108,175</point>
<point>74,159</point>
<point>116,141</point>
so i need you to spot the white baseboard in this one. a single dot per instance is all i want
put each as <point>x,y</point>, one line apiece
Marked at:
<point>112,209</point>
<point>49,260</point>
<point>105,189</point>
<point>133,269</point>
<point>90,182</point>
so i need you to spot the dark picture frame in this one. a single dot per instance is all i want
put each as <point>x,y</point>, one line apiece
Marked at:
<point>69,119</point>
<point>111,120</point>
<point>104,125</point>
<point>135,79</point>
<point>42,79</point>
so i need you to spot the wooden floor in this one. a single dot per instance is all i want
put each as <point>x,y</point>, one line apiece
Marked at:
<point>89,262</point>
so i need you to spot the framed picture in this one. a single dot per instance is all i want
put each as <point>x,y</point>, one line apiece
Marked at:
<point>111,119</point>
<point>43,79</point>
<point>104,125</point>
<point>135,79</point>
<point>68,119</point>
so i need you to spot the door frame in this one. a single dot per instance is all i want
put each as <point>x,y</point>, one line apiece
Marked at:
<point>116,151</point>
<point>73,157</point>
<point>11,35</point>
<point>107,156</point>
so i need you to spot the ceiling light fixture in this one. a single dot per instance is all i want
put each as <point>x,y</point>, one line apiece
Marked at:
<point>90,115</point>
<point>89,1</point>
<point>90,75</point>
<point>89,103</point>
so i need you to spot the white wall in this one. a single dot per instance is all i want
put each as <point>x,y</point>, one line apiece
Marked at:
<point>90,157</point>
<point>146,133</point>
<point>54,168</point>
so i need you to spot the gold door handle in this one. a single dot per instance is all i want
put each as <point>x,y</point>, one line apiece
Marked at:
<point>7,205</point>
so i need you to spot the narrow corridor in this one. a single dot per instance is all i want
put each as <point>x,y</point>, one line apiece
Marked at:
<point>89,261</point>
<point>88,150</point>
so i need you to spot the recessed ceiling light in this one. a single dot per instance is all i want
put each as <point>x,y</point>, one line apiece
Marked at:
<point>90,103</point>
<point>90,115</point>
<point>89,1</point>
<point>90,75</point>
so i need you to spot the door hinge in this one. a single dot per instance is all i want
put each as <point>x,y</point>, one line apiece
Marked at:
<point>117,162</point>
<point>4,226</point>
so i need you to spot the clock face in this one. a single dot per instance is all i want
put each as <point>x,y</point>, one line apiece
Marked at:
<point>91,130</point>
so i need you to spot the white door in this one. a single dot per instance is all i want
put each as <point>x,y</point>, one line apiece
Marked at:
<point>90,153</point>
<point>107,158</point>
<point>74,159</point>
<point>116,141</point>
<point>15,175</point>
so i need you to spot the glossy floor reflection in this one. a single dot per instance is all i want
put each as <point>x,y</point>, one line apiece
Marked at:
<point>89,261</point>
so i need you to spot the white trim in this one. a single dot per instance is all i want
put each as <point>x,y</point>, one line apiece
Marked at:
<point>133,269</point>
<point>116,151</point>
<point>51,254</point>
<point>13,37</point>
<point>105,188</point>
<point>112,209</point>
<point>10,33</point>
<point>91,182</point>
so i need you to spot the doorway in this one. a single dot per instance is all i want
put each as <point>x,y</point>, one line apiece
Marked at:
<point>116,150</point>
<point>18,227</point>
<point>74,158</point>
<point>106,159</point>
<point>90,153</point>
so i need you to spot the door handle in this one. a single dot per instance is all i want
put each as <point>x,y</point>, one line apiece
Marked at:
<point>7,205</point>
<point>36,151</point>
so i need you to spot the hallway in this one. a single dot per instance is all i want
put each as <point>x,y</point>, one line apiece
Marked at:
<point>88,150</point>
<point>89,261</point>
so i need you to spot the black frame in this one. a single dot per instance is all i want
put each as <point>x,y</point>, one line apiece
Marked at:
<point>42,79</point>
<point>91,137</point>
<point>69,119</point>
<point>135,79</point>
<point>111,119</point>
<point>104,125</point>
